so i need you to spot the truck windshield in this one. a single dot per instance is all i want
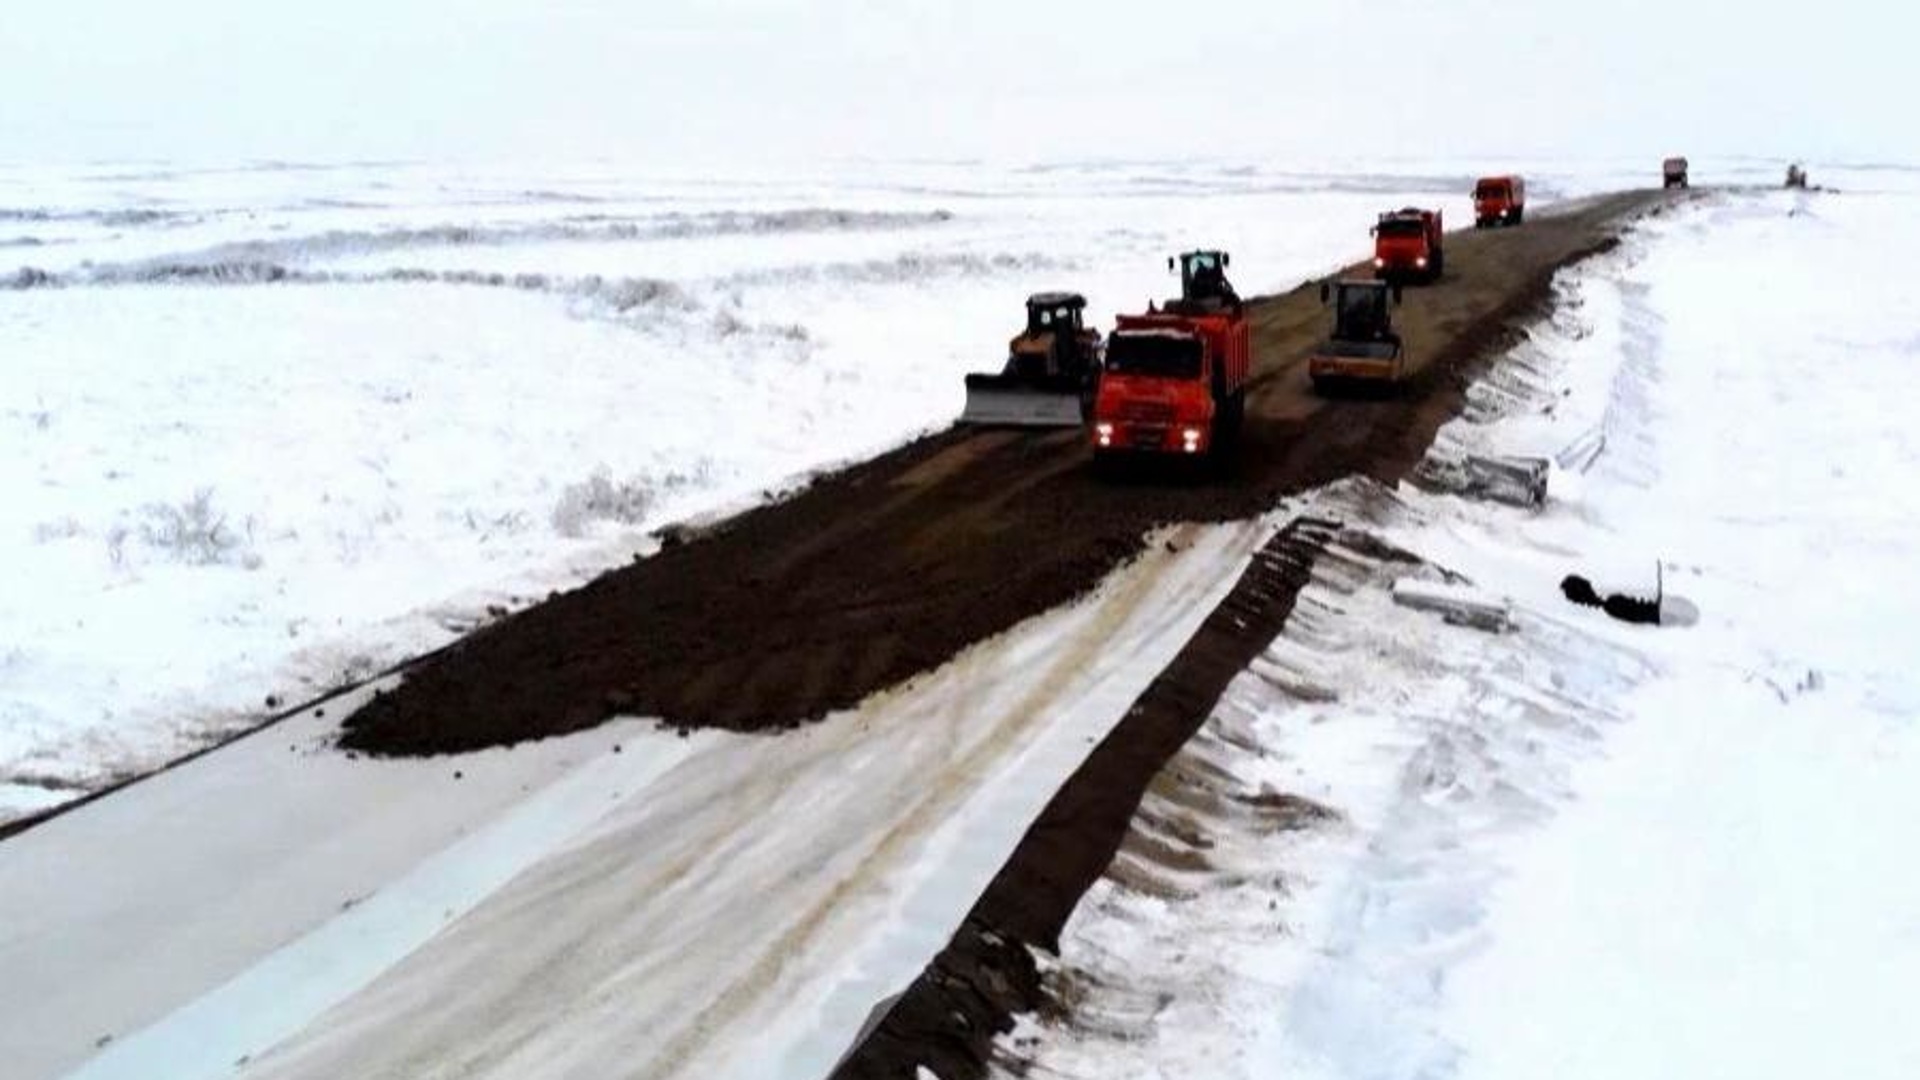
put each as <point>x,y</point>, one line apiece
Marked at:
<point>1490,191</point>
<point>1401,227</point>
<point>1154,354</point>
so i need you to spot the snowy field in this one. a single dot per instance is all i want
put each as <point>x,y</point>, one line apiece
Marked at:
<point>266,430</point>
<point>1710,816</point>
<point>1582,848</point>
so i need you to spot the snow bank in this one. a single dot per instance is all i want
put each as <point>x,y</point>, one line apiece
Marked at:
<point>1581,848</point>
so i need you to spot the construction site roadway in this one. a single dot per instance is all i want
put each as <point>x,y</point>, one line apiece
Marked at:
<point>889,568</point>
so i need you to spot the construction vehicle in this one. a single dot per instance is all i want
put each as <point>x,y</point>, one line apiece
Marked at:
<point>1796,176</point>
<point>1050,371</point>
<point>1175,378</point>
<point>1408,244</point>
<point>1364,349</point>
<point>1673,173</point>
<point>1204,287</point>
<point>1499,200</point>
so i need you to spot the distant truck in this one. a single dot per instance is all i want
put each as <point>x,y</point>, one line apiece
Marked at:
<point>1409,244</point>
<point>1499,200</point>
<point>1175,378</point>
<point>1673,173</point>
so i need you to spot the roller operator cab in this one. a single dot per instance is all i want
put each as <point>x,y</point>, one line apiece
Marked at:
<point>1673,173</point>
<point>1364,349</point>
<point>1499,200</point>
<point>1409,245</point>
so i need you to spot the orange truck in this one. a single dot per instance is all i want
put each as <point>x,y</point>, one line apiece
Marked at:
<point>1499,200</point>
<point>1408,244</point>
<point>1174,381</point>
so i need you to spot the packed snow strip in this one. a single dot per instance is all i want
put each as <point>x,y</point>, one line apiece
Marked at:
<point>277,869</point>
<point>725,906</point>
<point>1577,848</point>
<point>224,493</point>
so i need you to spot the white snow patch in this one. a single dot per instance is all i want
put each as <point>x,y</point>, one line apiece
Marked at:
<point>1584,848</point>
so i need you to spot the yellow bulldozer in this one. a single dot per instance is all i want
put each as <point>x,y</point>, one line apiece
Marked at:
<point>1051,371</point>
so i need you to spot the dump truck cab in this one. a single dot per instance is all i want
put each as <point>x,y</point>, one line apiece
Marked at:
<point>1364,348</point>
<point>1673,173</point>
<point>1408,244</point>
<point>1499,200</point>
<point>1174,380</point>
<point>1172,384</point>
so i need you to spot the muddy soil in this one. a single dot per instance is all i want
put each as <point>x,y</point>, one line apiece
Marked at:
<point>889,568</point>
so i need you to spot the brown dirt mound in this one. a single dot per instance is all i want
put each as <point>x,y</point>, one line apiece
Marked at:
<point>890,568</point>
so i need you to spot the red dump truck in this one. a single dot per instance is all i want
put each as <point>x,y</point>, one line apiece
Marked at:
<point>1175,379</point>
<point>1408,245</point>
<point>1499,200</point>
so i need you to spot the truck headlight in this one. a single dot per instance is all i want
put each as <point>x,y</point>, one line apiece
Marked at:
<point>1421,262</point>
<point>1190,439</point>
<point>1104,434</point>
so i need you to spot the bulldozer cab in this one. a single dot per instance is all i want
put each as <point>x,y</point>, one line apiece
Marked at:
<point>1050,372</point>
<point>1362,310</point>
<point>1049,313</point>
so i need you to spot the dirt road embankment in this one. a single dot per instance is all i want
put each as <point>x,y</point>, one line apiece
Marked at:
<point>889,568</point>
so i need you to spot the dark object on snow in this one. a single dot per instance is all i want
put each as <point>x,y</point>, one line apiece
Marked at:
<point>1579,590</point>
<point>1632,609</point>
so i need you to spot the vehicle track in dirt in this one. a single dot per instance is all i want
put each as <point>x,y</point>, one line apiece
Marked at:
<point>889,568</point>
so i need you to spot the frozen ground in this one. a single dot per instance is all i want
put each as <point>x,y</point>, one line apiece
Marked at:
<point>268,429</point>
<point>1580,848</point>
<point>617,902</point>
<point>875,829</point>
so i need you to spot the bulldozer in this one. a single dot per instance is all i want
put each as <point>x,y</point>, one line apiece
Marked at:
<point>1051,369</point>
<point>1364,349</point>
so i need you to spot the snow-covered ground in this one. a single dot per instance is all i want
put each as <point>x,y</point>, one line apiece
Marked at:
<point>618,902</point>
<point>267,429</point>
<point>1581,848</point>
<point>730,906</point>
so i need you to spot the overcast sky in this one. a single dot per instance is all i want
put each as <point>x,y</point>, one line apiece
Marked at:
<point>745,80</point>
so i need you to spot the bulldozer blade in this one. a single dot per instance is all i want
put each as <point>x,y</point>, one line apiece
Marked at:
<point>1005,403</point>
